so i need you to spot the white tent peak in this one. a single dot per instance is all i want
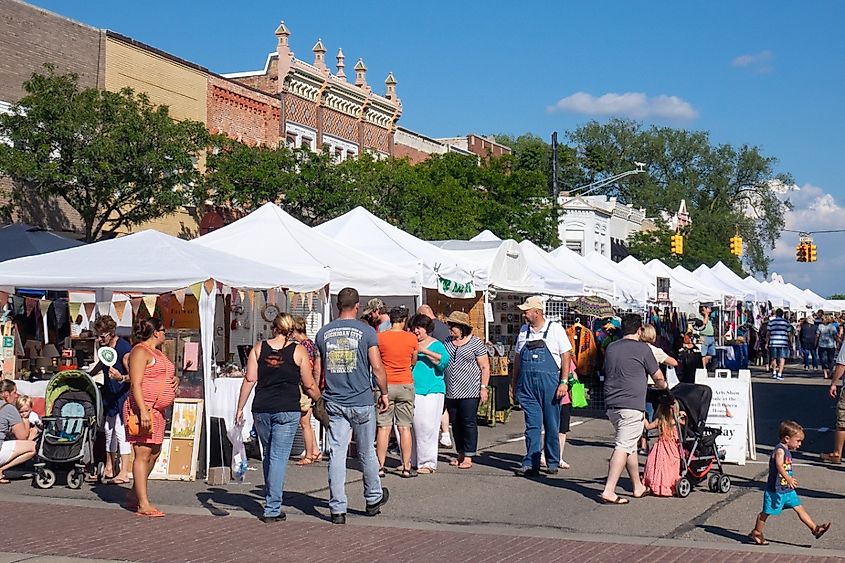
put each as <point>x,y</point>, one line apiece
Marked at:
<point>272,236</point>
<point>485,235</point>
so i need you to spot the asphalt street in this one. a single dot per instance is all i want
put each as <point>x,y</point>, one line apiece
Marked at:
<point>489,499</point>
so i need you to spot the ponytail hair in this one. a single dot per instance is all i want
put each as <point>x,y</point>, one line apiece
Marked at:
<point>283,325</point>
<point>145,328</point>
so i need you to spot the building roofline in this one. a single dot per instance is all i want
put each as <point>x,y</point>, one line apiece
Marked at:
<point>55,14</point>
<point>270,56</point>
<point>165,54</point>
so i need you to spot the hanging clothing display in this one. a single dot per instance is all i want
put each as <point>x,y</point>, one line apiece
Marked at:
<point>584,349</point>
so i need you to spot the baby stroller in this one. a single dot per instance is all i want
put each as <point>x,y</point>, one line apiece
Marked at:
<point>698,441</point>
<point>73,413</point>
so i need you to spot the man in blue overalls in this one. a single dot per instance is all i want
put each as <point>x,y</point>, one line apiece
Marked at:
<point>540,374</point>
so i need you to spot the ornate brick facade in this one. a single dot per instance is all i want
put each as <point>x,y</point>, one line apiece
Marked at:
<point>244,114</point>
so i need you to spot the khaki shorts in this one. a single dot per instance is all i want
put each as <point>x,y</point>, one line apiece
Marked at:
<point>401,410</point>
<point>628,425</point>
<point>840,410</point>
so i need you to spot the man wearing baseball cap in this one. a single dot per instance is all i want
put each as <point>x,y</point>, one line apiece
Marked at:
<point>377,314</point>
<point>540,374</point>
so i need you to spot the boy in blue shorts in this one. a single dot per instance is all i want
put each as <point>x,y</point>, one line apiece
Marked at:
<point>780,488</point>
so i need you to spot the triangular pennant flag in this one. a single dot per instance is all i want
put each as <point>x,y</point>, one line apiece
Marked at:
<point>73,309</point>
<point>4,298</point>
<point>150,304</point>
<point>136,305</point>
<point>311,297</point>
<point>294,299</point>
<point>119,308</point>
<point>271,297</point>
<point>220,287</point>
<point>236,298</point>
<point>103,308</point>
<point>195,291</point>
<point>179,294</point>
<point>209,286</point>
<point>241,295</point>
<point>89,311</point>
<point>31,305</point>
<point>251,298</point>
<point>44,306</point>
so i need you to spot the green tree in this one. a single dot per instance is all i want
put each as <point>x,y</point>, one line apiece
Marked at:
<point>837,296</point>
<point>725,187</point>
<point>114,157</point>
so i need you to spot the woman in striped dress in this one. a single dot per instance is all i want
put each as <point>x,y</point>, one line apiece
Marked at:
<point>467,376</point>
<point>153,384</point>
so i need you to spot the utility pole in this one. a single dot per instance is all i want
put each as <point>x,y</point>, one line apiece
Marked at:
<point>554,167</point>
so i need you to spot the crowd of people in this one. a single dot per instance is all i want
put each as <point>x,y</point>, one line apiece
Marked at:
<point>375,374</point>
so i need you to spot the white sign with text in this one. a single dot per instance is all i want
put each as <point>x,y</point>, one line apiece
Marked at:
<point>731,411</point>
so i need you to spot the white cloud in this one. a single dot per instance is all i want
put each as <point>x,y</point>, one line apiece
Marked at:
<point>630,104</point>
<point>760,63</point>
<point>813,210</point>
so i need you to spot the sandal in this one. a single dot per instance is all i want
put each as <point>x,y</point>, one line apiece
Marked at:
<point>758,538</point>
<point>618,500</point>
<point>305,460</point>
<point>465,465</point>
<point>645,493</point>
<point>408,473</point>
<point>831,458</point>
<point>425,471</point>
<point>4,481</point>
<point>820,530</point>
<point>381,472</point>
<point>151,513</point>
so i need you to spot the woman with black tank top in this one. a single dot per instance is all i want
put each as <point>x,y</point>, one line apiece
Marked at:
<point>276,368</point>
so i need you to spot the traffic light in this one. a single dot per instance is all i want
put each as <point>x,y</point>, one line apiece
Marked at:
<point>736,245</point>
<point>677,244</point>
<point>801,253</point>
<point>811,257</point>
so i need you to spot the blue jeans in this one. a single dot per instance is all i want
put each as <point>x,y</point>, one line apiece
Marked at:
<point>276,432</point>
<point>536,394</point>
<point>826,357</point>
<point>807,353</point>
<point>362,422</point>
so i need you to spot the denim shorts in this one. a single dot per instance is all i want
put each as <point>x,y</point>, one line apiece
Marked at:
<point>778,352</point>
<point>708,346</point>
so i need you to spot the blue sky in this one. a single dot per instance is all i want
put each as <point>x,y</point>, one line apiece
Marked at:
<point>770,74</point>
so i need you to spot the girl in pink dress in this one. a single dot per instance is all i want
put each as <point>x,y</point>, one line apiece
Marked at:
<point>663,466</point>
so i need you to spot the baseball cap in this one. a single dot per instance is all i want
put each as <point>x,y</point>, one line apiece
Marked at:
<point>374,304</point>
<point>532,302</point>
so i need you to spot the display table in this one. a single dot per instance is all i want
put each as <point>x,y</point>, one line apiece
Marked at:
<point>222,401</point>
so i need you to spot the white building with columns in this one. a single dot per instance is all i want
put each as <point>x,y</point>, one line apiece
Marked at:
<point>600,224</point>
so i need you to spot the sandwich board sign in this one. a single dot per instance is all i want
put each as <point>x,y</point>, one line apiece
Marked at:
<point>732,411</point>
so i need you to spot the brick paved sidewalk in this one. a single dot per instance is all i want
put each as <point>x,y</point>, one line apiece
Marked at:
<point>117,534</point>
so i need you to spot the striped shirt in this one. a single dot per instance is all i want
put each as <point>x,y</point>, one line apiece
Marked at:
<point>779,329</point>
<point>463,374</point>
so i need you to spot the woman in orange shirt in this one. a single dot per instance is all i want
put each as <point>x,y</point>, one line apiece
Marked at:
<point>398,349</point>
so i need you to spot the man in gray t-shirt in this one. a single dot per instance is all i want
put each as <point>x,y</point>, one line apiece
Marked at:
<point>627,365</point>
<point>347,349</point>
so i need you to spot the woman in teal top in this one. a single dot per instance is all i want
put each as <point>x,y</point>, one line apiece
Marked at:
<point>430,388</point>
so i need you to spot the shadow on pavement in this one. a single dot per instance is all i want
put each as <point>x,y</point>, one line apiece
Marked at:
<point>742,538</point>
<point>215,496</point>
<point>802,492</point>
<point>122,496</point>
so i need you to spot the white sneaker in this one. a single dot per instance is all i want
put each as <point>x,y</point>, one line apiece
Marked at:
<point>445,440</point>
<point>779,376</point>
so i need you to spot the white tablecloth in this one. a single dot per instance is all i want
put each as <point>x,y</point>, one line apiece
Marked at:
<point>224,400</point>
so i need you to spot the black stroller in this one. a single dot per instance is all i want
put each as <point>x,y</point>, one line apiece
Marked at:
<point>73,413</point>
<point>698,441</point>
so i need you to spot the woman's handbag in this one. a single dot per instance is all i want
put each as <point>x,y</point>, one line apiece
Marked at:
<point>578,394</point>
<point>133,421</point>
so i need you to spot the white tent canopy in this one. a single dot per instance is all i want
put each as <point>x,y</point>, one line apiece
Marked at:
<point>797,299</point>
<point>681,290</point>
<point>485,236</point>
<point>705,275</point>
<point>367,233</point>
<point>271,236</point>
<point>553,279</point>
<point>731,279</point>
<point>150,262</point>
<point>641,290</point>
<point>499,264</point>
<point>766,293</point>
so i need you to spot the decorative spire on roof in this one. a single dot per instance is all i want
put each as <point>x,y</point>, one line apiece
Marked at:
<point>319,55</point>
<point>391,83</point>
<point>340,64</point>
<point>283,33</point>
<point>360,73</point>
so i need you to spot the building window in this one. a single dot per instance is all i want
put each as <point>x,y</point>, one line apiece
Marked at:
<point>602,248</point>
<point>575,246</point>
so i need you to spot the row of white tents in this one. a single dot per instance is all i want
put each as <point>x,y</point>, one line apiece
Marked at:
<point>271,249</point>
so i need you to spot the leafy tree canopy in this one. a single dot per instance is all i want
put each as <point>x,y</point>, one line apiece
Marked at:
<point>115,158</point>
